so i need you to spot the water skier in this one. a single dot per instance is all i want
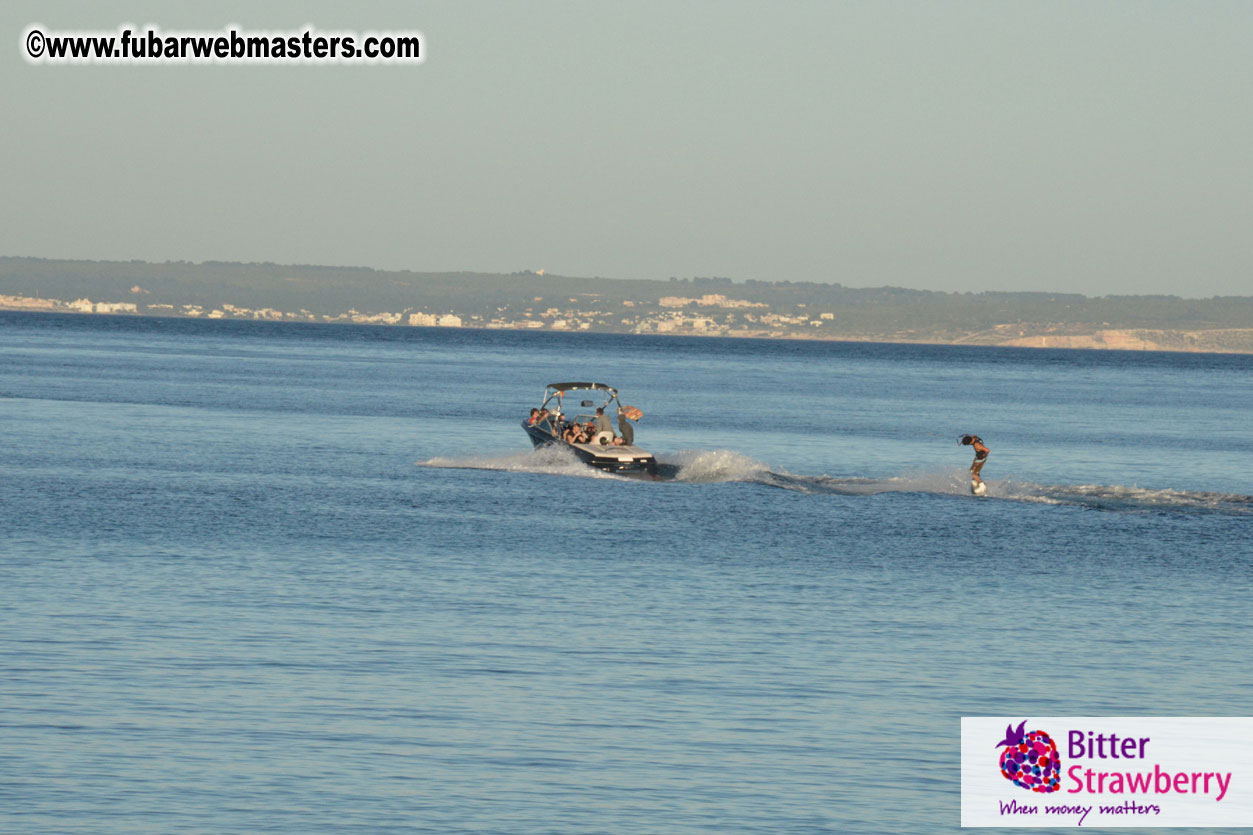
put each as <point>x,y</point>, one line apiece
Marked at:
<point>981,455</point>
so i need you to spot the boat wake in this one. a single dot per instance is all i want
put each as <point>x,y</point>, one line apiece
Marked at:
<point>548,460</point>
<point>725,466</point>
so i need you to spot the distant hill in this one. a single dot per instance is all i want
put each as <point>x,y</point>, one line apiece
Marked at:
<point>701,305</point>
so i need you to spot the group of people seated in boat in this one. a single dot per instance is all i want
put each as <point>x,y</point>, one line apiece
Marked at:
<point>597,430</point>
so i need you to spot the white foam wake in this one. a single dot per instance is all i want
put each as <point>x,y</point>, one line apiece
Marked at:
<point>712,467</point>
<point>548,460</point>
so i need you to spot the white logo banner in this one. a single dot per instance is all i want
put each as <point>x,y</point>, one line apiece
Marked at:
<point>1106,771</point>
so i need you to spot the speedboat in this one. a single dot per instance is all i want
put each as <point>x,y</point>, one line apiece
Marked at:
<point>605,451</point>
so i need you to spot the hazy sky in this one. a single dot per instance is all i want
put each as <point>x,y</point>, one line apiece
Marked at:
<point>1094,147</point>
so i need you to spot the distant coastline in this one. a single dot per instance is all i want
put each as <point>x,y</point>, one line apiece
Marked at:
<point>532,300</point>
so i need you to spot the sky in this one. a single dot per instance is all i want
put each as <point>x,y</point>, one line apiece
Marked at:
<point>1100,148</point>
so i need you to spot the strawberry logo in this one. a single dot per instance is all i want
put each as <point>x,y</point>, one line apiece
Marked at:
<point>1030,759</point>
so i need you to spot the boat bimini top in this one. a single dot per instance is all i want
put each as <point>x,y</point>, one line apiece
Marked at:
<point>558,390</point>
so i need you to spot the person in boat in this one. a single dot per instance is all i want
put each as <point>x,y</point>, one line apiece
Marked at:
<point>981,455</point>
<point>626,432</point>
<point>602,422</point>
<point>603,432</point>
<point>534,417</point>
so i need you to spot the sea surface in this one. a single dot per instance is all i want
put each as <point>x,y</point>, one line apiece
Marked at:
<point>293,578</point>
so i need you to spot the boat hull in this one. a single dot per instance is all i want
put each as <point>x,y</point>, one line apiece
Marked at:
<point>626,460</point>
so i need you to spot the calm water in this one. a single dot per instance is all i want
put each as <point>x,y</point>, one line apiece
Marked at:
<point>262,578</point>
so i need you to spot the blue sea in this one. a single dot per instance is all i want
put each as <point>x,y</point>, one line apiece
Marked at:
<point>294,578</point>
